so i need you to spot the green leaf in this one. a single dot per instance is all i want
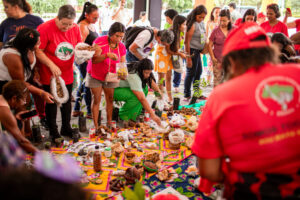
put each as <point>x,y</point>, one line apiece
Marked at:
<point>129,194</point>
<point>139,191</point>
<point>178,170</point>
<point>161,81</point>
<point>188,194</point>
<point>180,190</point>
<point>178,180</point>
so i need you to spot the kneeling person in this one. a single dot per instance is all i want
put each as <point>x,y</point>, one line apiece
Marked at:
<point>134,90</point>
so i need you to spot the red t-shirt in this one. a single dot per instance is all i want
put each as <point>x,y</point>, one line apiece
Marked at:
<point>279,27</point>
<point>238,22</point>
<point>297,46</point>
<point>59,47</point>
<point>254,120</point>
<point>99,70</point>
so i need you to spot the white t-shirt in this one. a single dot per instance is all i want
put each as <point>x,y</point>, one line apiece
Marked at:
<point>141,23</point>
<point>122,17</point>
<point>106,20</point>
<point>142,39</point>
<point>4,73</point>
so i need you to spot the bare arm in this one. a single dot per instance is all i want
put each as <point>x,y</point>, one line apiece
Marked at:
<point>133,49</point>
<point>14,66</point>
<point>116,14</point>
<point>188,38</point>
<point>84,31</point>
<point>141,97</point>
<point>155,87</point>
<point>1,45</point>
<point>46,61</point>
<point>10,123</point>
<point>211,169</point>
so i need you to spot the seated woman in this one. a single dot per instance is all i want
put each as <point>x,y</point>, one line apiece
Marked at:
<point>14,95</point>
<point>134,90</point>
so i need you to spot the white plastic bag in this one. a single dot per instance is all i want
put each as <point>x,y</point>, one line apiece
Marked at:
<point>177,120</point>
<point>122,71</point>
<point>83,55</point>
<point>176,136</point>
<point>59,98</point>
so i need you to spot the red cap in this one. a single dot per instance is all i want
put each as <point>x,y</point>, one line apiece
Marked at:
<point>241,38</point>
<point>261,15</point>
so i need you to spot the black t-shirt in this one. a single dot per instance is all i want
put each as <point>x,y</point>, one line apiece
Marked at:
<point>10,26</point>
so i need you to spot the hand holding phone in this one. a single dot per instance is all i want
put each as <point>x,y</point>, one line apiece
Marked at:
<point>28,114</point>
<point>288,12</point>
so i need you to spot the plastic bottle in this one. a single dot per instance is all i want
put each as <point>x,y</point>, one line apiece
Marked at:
<point>97,160</point>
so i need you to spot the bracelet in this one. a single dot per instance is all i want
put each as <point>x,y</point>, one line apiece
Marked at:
<point>41,93</point>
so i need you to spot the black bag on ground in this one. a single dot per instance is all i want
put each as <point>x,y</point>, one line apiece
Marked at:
<point>132,32</point>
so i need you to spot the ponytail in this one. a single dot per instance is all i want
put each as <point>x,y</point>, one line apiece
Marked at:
<point>26,6</point>
<point>87,9</point>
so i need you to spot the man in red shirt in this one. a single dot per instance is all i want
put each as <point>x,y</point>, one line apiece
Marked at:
<point>249,132</point>
<point>59,37</point>
<point>274,25</point>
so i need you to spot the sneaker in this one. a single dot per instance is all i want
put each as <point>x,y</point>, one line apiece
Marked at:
<point>44,124</point>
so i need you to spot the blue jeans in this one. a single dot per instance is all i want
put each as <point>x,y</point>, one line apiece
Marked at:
<point>176,79</point>
<point>193,74</point>
<point>130,57</point>
<point>83,91</point>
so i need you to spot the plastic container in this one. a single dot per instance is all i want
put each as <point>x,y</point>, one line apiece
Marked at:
<point>122,71</point>
<point>107,152</point>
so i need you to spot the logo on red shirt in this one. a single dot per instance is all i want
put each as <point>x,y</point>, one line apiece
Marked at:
<point>64,51</point>
<point>278,95</point>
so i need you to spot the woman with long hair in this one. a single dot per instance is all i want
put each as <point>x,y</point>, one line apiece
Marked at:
<point>89,16</point>
<point>133,91</point>
<point>104,61</point>
<point>249,16</point>
<point>195,39</point>
<point>179,28</point>
<point>216,43</point>
<point>212,23</point>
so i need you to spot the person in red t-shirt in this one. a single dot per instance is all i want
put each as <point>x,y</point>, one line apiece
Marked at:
<point>274,25</point>
<point>293,24</point>
<point>249,133</point>
<point>249,16</point>
<point>112,51</point>
<point>59,37</point>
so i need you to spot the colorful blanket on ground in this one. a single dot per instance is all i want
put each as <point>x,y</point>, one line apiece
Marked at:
<point>184,184</point>
<point>102,191</point>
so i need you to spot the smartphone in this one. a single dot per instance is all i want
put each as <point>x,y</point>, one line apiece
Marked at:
<point>289,10</point>
<point>28,114</point>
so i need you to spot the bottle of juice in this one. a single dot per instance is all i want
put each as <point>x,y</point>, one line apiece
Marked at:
<point>97,160</point>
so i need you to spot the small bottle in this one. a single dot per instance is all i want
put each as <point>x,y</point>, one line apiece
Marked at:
<point>107,152</point>
<point>97,160</point>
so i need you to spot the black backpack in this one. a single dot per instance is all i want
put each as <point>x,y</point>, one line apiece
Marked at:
<point>132,32</point>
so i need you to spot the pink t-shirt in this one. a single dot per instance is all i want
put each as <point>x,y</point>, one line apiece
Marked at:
<point>279,27</point>
<point>99,70</point>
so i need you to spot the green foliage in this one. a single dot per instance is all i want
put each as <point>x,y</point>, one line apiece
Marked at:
<point>138,193</point>
<point>178,5</point>
<point>45,6</point>
<point>129,3</point>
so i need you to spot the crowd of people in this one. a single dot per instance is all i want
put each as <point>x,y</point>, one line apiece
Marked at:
<point>249,131</point>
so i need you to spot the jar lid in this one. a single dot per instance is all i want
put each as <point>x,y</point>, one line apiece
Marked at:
<point>107,149</point>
